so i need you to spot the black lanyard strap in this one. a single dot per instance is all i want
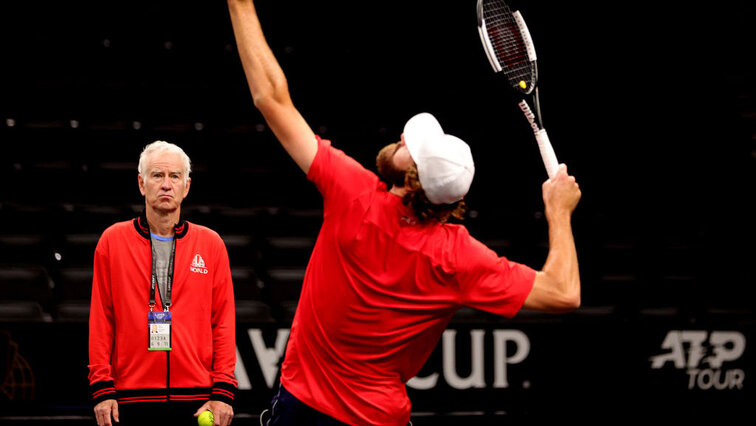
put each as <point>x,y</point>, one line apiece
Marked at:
<point>166,298</point>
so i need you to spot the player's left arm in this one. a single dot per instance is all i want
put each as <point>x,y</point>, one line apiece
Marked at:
<point>556,287</point>
<point>269,87</point>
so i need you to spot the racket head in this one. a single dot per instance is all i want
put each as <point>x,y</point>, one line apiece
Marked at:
<point>508,45</point>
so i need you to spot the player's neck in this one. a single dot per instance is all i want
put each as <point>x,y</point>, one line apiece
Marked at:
<point>398,190</point>
<point>162,223</point>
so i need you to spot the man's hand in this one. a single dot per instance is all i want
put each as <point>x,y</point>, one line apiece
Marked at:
<point>222,412</point>
<point>561,194</point>
<point>104,410</point>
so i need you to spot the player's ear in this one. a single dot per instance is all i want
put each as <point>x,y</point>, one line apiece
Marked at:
<point>140,179</point>
<point>186,187</point>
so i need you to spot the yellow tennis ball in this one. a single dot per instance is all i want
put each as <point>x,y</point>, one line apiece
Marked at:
<point>206,418</point>
<point>523,84</point>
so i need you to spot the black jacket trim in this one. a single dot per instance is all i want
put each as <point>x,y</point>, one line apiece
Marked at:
<point>129,396</point>
<point>224,392</point>
<point>100,391</point>
<point>143,228</point>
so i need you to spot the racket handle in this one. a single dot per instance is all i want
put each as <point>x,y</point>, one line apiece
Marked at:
<point>547,152</point>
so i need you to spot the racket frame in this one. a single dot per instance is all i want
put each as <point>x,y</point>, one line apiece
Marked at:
<point>533,116</point>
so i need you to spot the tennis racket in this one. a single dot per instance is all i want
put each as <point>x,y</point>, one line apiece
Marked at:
<point>509,48</point>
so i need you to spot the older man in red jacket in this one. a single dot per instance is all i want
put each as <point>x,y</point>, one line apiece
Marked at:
<point>162,320</point>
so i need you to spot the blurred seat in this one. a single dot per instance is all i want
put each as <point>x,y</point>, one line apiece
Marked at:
<point>31,248</point>
<point>26,284</point>
<point>250,294</point>
<point>253,311</point>
<point>74,283</point>
<point>72,311</point>
<point>247,285</point>
<point>22,311</point>
<point>288,237</point>
<point>111,183</point>
<point>78,218</point>
<point>73,289</point>
<point>243,249</point>
<point>27,218</point>
<point>228,220</point>
<point>76,249</point>
<point>286,250</point>
<point>613,271</point>
<point>286,310</point>
<point>612,264</point>
<point>62,181</point>
<point>284,284</point>
<point>674,282</point>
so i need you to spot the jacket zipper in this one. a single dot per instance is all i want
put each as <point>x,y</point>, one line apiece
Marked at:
<point>168,374</point>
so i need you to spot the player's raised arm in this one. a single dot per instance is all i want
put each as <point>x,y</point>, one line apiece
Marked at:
<point>557,285</point>
<point>269,87</point>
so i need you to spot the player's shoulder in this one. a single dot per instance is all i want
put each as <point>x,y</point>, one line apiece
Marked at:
<point>444,234</point>
<point>457,235</point>
<point>204,232</point>
<point>454,230</point>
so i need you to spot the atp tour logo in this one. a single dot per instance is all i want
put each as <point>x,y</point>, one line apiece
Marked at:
<point>198,265</point>
<point>704,357</point>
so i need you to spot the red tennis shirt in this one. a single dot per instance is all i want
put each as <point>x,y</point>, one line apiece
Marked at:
<point>378,293</point>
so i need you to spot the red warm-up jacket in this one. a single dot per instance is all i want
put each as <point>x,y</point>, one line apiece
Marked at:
<point>201,364</point>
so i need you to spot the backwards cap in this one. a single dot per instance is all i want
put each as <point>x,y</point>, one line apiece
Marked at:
<point>444,162</point>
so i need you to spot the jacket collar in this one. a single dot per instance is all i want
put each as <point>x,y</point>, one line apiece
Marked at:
<point>143,228</point>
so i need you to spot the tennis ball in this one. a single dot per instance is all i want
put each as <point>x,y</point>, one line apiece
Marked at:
<point>206,418</point>
<point>523,84</point>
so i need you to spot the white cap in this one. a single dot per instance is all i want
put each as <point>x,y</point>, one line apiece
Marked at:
<point>444,162</point>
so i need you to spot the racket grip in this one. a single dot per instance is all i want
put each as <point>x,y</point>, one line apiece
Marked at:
<point>547,152</point>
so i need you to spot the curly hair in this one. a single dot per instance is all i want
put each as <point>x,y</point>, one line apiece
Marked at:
<point>425,211</point>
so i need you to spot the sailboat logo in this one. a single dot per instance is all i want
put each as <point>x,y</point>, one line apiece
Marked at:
<point>198,265</point>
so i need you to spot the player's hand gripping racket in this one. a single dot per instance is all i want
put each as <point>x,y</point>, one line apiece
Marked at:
<point>510,50</point>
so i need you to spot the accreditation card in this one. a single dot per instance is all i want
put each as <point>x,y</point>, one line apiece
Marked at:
<point>159,324</point>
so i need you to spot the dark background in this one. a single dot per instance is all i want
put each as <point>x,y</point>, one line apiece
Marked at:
<point>651,106</point>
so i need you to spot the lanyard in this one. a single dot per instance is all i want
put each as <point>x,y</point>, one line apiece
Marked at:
<point>166,298</point>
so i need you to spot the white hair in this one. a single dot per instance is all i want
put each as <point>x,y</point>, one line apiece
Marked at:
<point>162,146</point>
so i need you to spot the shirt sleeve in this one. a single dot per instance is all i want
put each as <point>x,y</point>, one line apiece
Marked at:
<point>224,330</point>
<point>489,282</point>
<point>101,327</point>
<point>338,177</point>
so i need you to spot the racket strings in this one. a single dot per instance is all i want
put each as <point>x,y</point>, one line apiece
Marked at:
<point>508,44</point>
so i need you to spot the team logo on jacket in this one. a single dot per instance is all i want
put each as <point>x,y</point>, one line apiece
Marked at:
<point>198,265</point>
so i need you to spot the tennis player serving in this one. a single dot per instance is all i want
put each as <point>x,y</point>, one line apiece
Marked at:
<point>388,271</point>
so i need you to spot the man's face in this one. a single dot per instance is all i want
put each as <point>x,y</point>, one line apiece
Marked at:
<point>393,161</point>
<point>164,185</point>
